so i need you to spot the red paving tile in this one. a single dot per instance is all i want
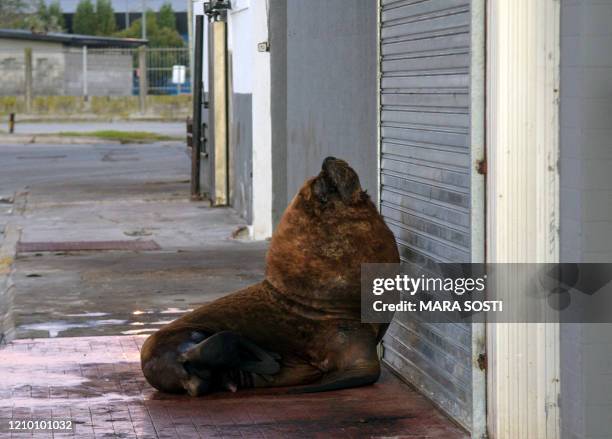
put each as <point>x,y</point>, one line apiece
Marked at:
<point>97,383</point>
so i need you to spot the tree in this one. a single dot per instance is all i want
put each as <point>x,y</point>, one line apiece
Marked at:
<point>84,20</point>
<point>12,13</point>
<point>166,17</point>
<point>44,18</point>
<point>31,14</point>
<point>56,15</point>
<point>105,17</point>
<point>158,36</point>
<point>41,11</point>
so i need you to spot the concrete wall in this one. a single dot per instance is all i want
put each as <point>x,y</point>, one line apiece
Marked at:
<point>48,67</point>
<point>586,206</point>
<point>109,73</point>
<point>323,55</point>
<point>58,71</point>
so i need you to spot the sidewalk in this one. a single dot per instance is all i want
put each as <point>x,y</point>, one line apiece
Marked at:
<point>121,196</point>
<point>96,382</point>
<point>81,313</point>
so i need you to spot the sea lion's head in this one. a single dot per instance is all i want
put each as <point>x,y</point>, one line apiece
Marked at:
<point>328,230</point>
<point>336,179</point>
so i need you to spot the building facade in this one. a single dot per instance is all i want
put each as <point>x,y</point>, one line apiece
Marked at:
<point>480,129</point>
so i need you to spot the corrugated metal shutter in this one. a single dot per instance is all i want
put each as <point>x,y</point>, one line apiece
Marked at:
<point>425,179</point>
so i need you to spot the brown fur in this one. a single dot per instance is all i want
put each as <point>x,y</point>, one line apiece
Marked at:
<point>308,307</point>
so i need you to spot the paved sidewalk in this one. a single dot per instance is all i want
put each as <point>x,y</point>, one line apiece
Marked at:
<point>96,382</point>
<point>81,313</point>
<point>117,195</point>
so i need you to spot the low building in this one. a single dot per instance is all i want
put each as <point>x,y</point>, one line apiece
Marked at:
<point>67,64</point>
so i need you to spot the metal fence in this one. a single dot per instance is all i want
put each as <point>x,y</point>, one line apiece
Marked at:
<point>39,71</point>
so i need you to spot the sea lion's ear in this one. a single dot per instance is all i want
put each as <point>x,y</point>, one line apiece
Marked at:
<point>342,178</point>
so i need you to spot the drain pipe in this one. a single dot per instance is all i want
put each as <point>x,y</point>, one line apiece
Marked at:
<point>218,98</point>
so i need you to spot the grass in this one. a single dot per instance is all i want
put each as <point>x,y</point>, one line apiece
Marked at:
<point>122,136</point>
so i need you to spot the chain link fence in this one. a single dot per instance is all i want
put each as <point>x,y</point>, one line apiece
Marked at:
<point>83,71</point>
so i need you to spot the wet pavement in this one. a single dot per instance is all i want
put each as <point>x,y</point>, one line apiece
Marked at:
<point>117,293</point>
<point>96,383</point>
<point>117,193</point>
<point>81,316</point>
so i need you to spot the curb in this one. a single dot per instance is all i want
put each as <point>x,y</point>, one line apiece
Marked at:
<point>23,139</point>
<point>36,118</point>
<point>26,139</point>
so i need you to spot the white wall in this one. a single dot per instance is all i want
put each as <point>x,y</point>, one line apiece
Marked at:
<point>262,127</point>
<point>242,45</point>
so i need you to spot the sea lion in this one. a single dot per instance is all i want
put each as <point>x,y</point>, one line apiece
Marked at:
<point>301,325</point>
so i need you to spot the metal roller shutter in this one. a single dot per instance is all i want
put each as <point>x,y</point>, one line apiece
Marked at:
<point>425,179</point>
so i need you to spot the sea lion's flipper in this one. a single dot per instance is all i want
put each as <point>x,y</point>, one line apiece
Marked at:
<point>229,350</point>
<point>341,380</point>
<point>352,361</point>
<point>265,362</point>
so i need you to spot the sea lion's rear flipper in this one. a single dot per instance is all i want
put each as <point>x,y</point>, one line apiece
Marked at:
<point>228,350</point>
<point>340,380</point>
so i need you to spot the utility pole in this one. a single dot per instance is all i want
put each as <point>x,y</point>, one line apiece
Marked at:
<point>127,14</point>
<point>144,19</point>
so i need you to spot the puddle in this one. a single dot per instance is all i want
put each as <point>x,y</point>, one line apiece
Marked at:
<point>102,400</point>
<point>88,314</point>
<point>175,311</point>
<point>165,311</point>
<point>14,378</point>
<point>56,327</point>
<point>139,331</point>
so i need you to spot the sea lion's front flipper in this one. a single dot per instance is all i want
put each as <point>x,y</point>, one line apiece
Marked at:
<point>228,350</point>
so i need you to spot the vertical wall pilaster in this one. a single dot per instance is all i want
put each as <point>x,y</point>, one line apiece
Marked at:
<point>523,206</point>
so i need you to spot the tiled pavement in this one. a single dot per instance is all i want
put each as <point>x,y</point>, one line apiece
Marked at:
<point>96,382</point>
